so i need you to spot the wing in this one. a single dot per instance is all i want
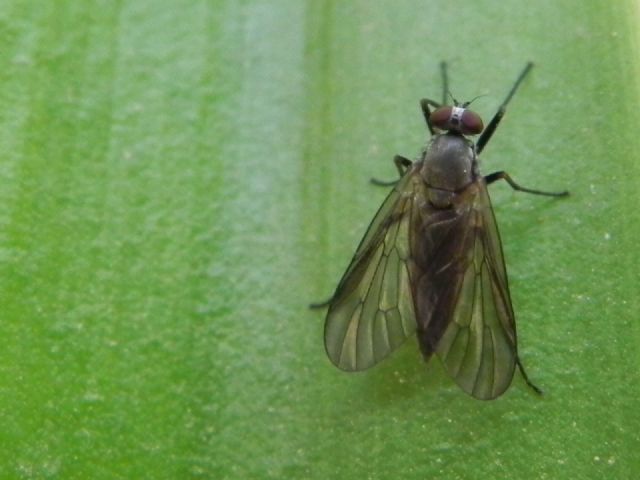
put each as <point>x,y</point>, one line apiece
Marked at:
<point>478,347</point>
<point>371,312</point>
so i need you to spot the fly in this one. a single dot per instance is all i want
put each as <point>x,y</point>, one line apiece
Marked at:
<point>431,263</point>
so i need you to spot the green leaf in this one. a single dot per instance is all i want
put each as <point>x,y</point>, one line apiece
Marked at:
<point>179,180</point>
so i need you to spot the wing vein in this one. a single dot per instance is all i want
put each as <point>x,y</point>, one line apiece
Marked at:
<point>369,315</point>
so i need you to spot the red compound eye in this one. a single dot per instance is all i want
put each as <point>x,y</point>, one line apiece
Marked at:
<point>456,119</point>
<point>439,118</point>
<point>471,123</point>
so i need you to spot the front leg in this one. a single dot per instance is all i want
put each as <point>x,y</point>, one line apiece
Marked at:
<point>493,124</point>
<point>426,112</point>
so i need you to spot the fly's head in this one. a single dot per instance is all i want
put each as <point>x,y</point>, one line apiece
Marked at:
<point>456,119</point>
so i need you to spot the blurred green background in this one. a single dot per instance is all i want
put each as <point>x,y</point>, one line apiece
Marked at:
<point>178,180</point>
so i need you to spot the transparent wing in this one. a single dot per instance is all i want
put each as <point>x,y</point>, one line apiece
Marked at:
<point>371,312</point>
<point>478,347</point>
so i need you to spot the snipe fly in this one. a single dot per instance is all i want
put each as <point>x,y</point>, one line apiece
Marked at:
<point>431,263</point>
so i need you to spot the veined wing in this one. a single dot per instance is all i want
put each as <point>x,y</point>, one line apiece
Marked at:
<point>478,347</point>
<point>371,312</point>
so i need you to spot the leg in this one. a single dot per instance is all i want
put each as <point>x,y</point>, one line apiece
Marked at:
<point>319,305</point>
<point>526,377</point>
<point>402,164</point>
<point>493,124</point>
<point>425,103</point>
<point>426,111</point>
<point>505,176</point>
<point>445,82</point>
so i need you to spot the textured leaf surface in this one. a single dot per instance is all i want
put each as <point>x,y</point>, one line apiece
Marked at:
<point>179,179</point>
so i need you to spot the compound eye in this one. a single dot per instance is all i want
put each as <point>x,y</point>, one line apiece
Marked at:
<point>456,119</point>
<point>470,123</point>
<point>440,118</point>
